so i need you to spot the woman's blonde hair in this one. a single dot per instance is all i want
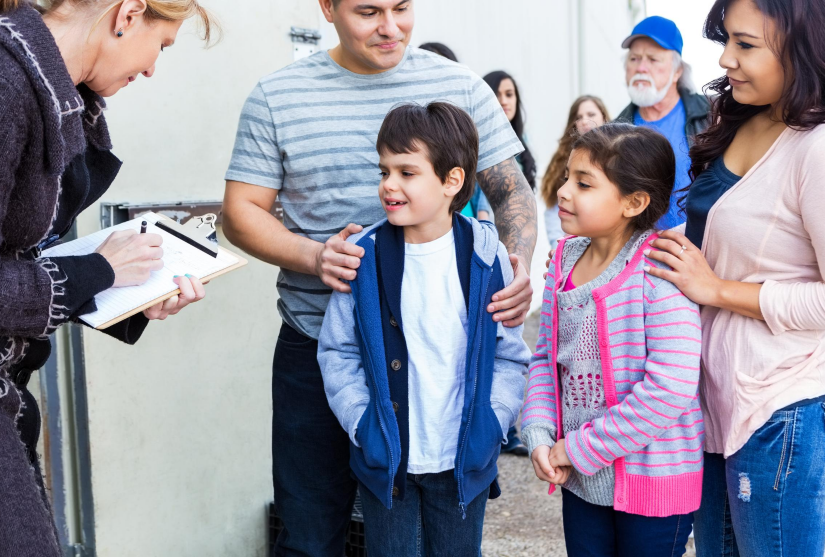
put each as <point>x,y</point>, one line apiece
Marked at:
<point>553,178</point>
<point>158,10</point>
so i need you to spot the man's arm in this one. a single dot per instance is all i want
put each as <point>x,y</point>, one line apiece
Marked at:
<point>514,205</point>
<point>250,225</point>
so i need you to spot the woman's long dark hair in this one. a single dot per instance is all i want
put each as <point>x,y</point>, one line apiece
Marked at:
<point>494,79</point>
<point>800,44</point>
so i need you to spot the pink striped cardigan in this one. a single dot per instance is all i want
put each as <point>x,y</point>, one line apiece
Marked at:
<point>653,433</point>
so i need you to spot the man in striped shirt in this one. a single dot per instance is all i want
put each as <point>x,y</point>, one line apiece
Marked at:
<point>307,138</point>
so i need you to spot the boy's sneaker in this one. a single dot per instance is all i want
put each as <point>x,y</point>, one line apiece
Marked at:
<point>514,444</point>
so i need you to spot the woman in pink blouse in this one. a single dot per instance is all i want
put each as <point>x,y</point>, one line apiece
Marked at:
<point>753,255</point>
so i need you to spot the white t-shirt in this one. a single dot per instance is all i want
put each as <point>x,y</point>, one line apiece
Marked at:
<point>435,327</point>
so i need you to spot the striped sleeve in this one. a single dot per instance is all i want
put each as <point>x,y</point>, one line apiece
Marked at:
<point>256,158</point>
<point>539,421</point>
<point>670,383</point>
<point>497,140</point>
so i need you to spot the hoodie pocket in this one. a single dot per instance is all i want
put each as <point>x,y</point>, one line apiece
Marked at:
<point>371,438</point>
<point>484,439</point>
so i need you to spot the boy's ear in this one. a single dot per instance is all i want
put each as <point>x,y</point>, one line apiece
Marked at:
<point>454,182</point>
<point>635,204</point>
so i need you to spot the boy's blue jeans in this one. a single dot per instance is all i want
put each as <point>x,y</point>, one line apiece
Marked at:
<point>427,522</point>
<point>596,531</point>
<point>768,499</point>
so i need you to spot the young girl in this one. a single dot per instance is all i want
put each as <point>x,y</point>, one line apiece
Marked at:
<point>612,412</point>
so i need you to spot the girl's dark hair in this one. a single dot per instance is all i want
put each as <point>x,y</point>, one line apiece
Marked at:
<point>635,159</point>
<point>553,178</point>
<point>800,45</point>
<point>438,48</point>
<point>494,79</point>
<point>448,134</point>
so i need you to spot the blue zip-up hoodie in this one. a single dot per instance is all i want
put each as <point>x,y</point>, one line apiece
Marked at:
<point>363,359</point>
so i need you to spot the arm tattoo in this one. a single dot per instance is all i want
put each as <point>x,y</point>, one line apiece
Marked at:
<point>514,206</point>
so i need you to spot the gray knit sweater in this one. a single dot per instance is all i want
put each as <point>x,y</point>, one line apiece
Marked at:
<point>47,126</point>
<point>580,366</point>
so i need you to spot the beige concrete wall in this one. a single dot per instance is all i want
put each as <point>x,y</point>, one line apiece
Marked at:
<point>180,423</point>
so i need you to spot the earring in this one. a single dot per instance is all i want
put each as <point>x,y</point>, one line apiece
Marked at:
<point>120,32</point>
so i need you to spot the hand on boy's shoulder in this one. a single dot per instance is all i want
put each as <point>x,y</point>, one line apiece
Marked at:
<point>510,305</point>
<point>336,260</point>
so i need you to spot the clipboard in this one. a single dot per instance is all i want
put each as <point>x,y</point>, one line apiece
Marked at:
<point>241,263</point>
<point>181,255</point>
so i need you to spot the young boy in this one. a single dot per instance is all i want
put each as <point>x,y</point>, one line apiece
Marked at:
<point>417,372</point>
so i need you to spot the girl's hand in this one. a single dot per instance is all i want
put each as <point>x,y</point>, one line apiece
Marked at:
<point>191,290</point>
<point>558,455</point>
<point>562,474</point>
<point>691,273</point>
<point>541,464</point>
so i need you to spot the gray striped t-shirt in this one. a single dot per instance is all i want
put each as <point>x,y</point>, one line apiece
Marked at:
<point>309,131</point>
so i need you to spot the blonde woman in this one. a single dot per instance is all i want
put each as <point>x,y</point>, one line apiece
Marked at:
<point>56,65</point>
<point>587,112</point>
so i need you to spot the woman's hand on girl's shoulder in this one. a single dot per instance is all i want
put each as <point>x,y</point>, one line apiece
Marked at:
<point>191,291</point>
<point>690,271</point>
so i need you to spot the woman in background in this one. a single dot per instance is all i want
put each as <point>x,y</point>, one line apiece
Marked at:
<point>587,112</point>
<point>506,90</point>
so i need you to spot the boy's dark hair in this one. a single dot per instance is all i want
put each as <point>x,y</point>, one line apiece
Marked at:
<point>636,159</point>
<point>446,132</point>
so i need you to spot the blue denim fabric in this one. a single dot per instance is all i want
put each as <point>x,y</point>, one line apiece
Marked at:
<point>426,522</point>
<point>596,531</point>
<point>768,499</point>
<point>314,488</point>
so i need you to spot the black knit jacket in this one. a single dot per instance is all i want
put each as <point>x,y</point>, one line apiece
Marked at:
<point>53,142</point>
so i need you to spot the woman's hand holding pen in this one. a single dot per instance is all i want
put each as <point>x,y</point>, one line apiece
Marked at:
<point>132,256</point>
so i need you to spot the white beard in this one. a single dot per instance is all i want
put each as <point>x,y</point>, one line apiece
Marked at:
<point>647,96</point>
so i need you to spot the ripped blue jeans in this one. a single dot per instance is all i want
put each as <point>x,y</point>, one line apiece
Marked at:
<point>768,499</point>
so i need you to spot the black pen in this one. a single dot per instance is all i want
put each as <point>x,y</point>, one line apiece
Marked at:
<point>143,227</point>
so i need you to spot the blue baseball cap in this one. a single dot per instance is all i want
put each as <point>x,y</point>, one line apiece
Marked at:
<point>663,31</point>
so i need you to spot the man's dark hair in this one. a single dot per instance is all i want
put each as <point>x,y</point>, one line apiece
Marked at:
<point>444,131</point>
<point>635,159</point>
<point>440,49</point>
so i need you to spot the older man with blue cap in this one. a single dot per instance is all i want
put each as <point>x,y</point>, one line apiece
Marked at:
<point>663,97</point>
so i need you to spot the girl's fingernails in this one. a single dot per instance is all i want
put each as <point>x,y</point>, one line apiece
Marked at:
<point>647,268</point>
<point>188,275</point>
<point>646,252</point>
<point>176,276</point>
